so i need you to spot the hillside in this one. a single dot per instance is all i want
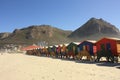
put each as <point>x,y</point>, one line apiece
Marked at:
<point>95,29</point>
<point>35,34</point>
<point>4,35</point>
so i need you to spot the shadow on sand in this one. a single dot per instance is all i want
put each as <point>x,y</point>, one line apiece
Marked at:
<point>107,64</point>
<point>118,67</point>
<point>102,63</point>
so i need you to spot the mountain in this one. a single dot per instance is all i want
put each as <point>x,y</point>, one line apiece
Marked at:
<point>4,35</point>
<point>45,34</point>
<point>95,29</point>
<point>37,34</point>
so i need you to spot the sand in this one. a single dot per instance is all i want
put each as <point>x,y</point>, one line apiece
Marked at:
<point>24,67</point>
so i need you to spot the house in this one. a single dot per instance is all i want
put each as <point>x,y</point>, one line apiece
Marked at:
<point>73,46</point>
<point>88,45</point>
<point>112,44</point>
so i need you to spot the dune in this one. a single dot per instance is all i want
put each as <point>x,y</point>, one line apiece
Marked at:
<point>25,67</point>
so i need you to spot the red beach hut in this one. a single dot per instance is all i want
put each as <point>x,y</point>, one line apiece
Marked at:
<point>109,43</point>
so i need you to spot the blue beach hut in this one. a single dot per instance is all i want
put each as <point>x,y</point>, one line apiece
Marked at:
<point>88,45</point>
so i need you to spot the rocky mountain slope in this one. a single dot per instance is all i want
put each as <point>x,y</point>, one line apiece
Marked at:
<point>4,35</point>
<point>36,34</point>
<point>95,28</point>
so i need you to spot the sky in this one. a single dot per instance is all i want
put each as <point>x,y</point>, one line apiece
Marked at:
<point>63,14</point>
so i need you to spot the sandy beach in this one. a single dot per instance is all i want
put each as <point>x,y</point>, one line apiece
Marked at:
<point>24,67</point>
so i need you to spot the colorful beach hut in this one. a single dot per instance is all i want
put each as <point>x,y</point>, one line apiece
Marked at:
<point>112,44</point>
<point>54,48</point>
<point>88,45</point>
<point>73,47</point>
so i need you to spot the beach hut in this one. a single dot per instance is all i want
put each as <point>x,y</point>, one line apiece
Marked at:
<point>88,45</point>
<point>73,47</point>
<point>112,44</point>
<point>54,48</point>
<point>51,51</point>
<point>32,50</point>
<point>58,51</point>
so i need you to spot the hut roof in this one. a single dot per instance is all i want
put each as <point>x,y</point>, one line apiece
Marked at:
<point>77,43</point>
<point>31,47</point>
<point>110,38</point>
<point>118,39</point>
<point>92,41</point>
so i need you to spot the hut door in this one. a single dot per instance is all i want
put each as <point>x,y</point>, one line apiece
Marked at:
<point>84,47</point>
<point>108,46</point>
<point>87,47</point>
<point>80,48</point>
